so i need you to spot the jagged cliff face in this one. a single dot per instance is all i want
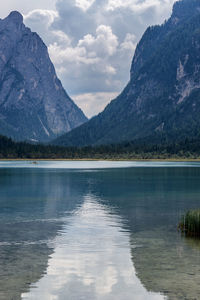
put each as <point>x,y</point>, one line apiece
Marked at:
<point>33,103</point>
<point>163,95</point>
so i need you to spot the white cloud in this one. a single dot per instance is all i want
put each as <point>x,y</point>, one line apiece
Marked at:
<point>84,4</point>
<point>104,44</point>
<point>129,42</point>
<point>92,42</point>
<point>89,60</point>
<point>25,6</point>
<point>137,6</point>
<point>47,17</point>
<point>93,103</point>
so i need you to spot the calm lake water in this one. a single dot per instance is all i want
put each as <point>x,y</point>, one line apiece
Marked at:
<point>97,231</point>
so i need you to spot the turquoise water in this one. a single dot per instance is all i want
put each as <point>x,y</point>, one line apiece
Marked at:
<point>97,230</point>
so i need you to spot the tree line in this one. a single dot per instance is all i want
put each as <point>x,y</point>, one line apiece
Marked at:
<point>186,149</point>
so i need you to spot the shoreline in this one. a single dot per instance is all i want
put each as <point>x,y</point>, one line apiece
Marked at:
<point>102,159</point>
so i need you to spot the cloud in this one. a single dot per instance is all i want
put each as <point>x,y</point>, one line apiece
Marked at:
<point>47,17</point>
<point>104,44</point>
<point>40,21</point>
<point>92,43</point>
<point>25,6</point>
<point>93,103</point>
<point>92,64</point>
<point>84,4</point>
<point>137,6</point>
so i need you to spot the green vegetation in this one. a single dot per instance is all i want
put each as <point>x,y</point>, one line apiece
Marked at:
<point>190,223</point>
<point>188,149</point>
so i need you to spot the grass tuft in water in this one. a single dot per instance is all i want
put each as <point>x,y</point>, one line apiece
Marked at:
<point>190,223</point>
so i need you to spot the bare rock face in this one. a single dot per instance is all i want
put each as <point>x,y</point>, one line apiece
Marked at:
<point>33,104</point>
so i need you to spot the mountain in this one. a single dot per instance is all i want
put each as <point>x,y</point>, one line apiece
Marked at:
<point>162,98</point>
<point>33,103</point>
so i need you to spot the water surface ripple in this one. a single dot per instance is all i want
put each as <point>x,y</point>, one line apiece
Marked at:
<point>97,230</point>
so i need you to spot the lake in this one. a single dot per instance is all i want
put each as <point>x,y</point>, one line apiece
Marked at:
<point>97,230</point>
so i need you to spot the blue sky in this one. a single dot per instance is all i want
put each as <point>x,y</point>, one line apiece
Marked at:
<point>91,42</point>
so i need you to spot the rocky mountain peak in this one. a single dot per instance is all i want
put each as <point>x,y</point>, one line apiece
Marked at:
<point>15,17</point>
<point>13,23</point>
<point>33,103</point>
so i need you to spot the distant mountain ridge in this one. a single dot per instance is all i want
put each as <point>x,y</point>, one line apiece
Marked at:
<point>162,98</point>
<point>33,104</point>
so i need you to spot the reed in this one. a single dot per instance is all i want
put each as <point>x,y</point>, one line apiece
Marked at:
<point>190,223</point>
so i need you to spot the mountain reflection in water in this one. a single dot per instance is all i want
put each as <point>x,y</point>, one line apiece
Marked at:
<point>91,260</point>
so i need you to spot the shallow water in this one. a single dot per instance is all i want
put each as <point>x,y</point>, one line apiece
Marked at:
<point>97,230</point>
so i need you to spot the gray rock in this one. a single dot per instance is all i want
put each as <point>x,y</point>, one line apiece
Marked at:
<point>33,104</point>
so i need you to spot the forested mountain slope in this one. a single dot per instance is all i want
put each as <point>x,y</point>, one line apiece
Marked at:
<point>163,95</point>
